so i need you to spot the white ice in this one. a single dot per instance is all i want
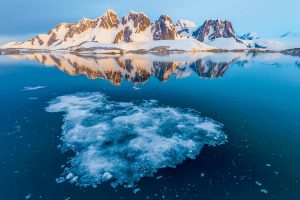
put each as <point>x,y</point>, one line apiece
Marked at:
<point>123,142</point>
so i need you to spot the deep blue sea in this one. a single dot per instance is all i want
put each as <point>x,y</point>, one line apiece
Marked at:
<point>186,126</point>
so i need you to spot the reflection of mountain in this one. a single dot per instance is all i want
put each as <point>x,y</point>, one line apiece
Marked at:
<point>137,68</point>
<point>210,69</point>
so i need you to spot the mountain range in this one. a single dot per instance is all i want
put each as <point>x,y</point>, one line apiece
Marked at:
<point>135,33</point>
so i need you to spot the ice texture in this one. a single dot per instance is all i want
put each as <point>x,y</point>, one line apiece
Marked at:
<point>122,142</point>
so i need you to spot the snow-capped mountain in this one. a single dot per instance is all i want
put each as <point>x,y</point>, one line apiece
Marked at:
<point>220,34</point>
<point>213,29</point>
<point>249,36</point>
<point>164,29</point>
<point>286,41</point>
<point>136,27</point>
<point>135,33</point>
<point>185,28</point>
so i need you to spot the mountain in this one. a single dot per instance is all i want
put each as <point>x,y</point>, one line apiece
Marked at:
<point>213,29</point>
<point>109,34</point>
<point>102,29</point>
<point>185,28</point>
<point>164,29</point>
<point>135,27</point>
<point>249,36</point>
<point>287,41</point>
<point>220,34</point>
<point>135,33</point>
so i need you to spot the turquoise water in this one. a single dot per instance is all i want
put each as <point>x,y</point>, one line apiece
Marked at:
<point>207,126</point>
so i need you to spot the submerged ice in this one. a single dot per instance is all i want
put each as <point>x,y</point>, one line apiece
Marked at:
<point>123,142</point>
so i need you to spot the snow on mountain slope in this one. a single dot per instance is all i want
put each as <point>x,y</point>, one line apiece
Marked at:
<point>226,44</point>
<point>185,28</point>
<point>135,27</point>
<point>157,45</point>
<point>286,41</point>
<point>249,36</point>
<point>136,32</point>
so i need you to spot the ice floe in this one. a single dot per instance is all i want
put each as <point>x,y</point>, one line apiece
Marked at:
<point>122,142</point>
<point>33,88</point>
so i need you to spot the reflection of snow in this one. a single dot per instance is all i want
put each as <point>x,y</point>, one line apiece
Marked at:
<point>123,142</point>
<point>34,88</point>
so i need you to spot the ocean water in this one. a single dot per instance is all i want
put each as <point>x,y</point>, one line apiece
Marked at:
<point>186,126</point>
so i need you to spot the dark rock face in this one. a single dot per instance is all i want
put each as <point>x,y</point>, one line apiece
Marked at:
<point>249,36</point>
<point>123,36</point>
<point>80,27</point>
<point>212,29</point>
<point>109,20</point>
<point>164,29</point>
<point>140,21</point>
<point>36,39</point>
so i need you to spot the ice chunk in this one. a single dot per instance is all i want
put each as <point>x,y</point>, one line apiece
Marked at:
<point>33,88</point>
<point>264,191</point>
<point>28,196</point>
<point>123,142</point>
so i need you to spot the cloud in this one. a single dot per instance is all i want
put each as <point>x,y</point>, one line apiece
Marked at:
<point>122,142</point>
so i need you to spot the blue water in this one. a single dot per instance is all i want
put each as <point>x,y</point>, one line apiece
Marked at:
<point>162,149</point>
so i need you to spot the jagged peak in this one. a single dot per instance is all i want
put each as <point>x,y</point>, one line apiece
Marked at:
<point>215,28</point>
<point>85,19</point>
<point>109,12</point>
<point>164,16</point>
<point>165,19</point>
<point>109,20</point>
<point>217,21</point>
<point>133,12</point>
<point>139,20</point>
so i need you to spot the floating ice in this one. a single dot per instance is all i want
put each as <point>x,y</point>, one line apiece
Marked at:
<point>28,196</point>
<point>264,191</point>
<point>123,142</point>
<point>33,88</point>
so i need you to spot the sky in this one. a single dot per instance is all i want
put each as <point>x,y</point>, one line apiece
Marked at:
<point>21,19</point>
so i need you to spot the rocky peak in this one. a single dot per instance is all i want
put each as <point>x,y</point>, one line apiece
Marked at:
<point>133,23</point>
<point>140,21</point>
<point>213,29</point>
<point>164,29</point>
<point>109,20</point>
<point>80,27</point>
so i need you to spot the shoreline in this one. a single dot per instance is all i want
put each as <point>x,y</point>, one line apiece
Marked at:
<point>158,51</point>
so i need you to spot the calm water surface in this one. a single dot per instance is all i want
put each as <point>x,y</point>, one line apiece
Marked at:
<point>189,126</point>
